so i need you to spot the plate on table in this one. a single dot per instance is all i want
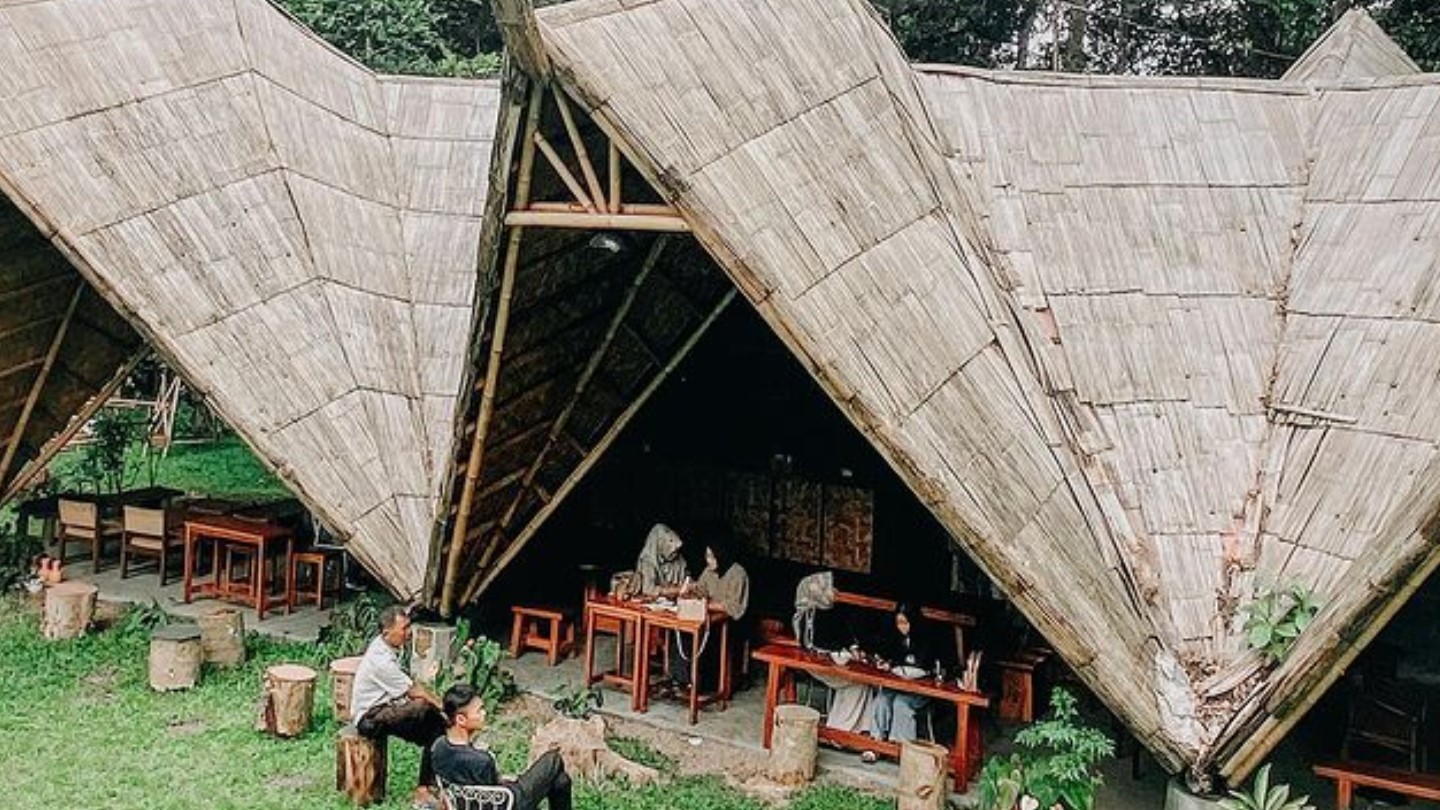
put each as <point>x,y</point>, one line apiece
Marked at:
<point>908,672</point>
<point>841,657</point>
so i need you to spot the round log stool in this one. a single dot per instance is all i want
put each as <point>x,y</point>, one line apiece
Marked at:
<point>222,637</point>
<point>793,746</point>
<point>68,608</point>
<point>360,767</point>
<point>175,656</point>
<point>287,700</point>
<point>921,784</point>
<point>342,679</point>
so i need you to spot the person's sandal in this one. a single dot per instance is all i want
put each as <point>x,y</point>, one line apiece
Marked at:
<point>868,757</point>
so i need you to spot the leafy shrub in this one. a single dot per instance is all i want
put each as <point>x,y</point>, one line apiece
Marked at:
<point>353,624</point>
<point>16,556</point>
<point>1275,618</point>
<point>1264,796</point>
<point>477,662</point>
<point>1054,764</point>
<point>578,701</point>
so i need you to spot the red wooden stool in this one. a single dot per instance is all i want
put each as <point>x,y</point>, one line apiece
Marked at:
<point>321,562</point>
<point>539,628</point>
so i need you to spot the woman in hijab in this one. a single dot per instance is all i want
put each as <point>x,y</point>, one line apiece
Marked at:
<point>660,568</point>
<point>817,628</point>
<point>894,715</point>
<point>725,585</point>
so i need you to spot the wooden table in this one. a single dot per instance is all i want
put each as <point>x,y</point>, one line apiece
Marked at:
<point>223,529</point>
<point>628,616</point>
<point>695,630</point>
<point>965,754</point>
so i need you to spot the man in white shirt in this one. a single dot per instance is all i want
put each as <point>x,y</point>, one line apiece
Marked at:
<point>386,702</point>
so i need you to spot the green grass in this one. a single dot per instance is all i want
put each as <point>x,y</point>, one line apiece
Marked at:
<point>84,730</point>
<point>224,468</point>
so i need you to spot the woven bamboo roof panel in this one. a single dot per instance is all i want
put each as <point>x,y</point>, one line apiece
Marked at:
<point>296,235</point>
<point>1143,345</point>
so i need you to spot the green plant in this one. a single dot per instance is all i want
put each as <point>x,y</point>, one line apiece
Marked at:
<point>353,624</point>
<point>104,460</point>
<point>1054,763</point>
<point>1264,796</point>
<point>578,702</point>
<point>140,619</point>
<point>477,662</point>
<point>1276,617</point>
<point>17,555</point>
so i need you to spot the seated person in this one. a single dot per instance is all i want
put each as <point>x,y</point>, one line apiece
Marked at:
<point>660,568</point>
<point>820,625</point>
<point>894,714</point>
<point>725,586</point>
<point>384,700</point>
<point>459,762</point>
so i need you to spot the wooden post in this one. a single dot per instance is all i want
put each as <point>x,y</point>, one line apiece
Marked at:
<point>287,700</point>
<point>921,785</point>
<point>430,649</point>
<point>342,681</point>
<point>176,652</point>
<point>793,744</point>
<point>68,608</point>
<point>222,637</point>
<point>360,767</point>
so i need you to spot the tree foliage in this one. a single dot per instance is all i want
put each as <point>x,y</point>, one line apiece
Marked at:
<point>425,37</point>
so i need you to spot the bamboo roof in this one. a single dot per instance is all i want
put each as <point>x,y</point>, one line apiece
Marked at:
<point>294,234</point>
<point>1142,344</point>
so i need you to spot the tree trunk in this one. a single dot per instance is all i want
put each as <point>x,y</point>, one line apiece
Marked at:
<point>68,608</point>
<point>175,656</point>
<point>222,637</point>
<point>793,750</point>
<point>582,745</point>
<point>360,767</point>
<point>921,785</point>
<point>342,681</point>
<point>287,700</point>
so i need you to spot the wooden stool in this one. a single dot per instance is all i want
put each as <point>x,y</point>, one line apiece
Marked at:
<point>360,767</point>
<point>222,637</point>
<point>1017,685</point>
<point>342,683</point>
<point>318,561</point>
<point>525,632</point>
<point>68,608</point>
<point>288,700</point>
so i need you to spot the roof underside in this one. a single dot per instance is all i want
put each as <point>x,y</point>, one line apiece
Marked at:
<point>1143,345</point>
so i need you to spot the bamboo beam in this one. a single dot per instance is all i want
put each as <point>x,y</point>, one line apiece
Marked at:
<point>582,155</point>
<point>39,384</point>
<point>558,164</point>
<point>477,584</point>
<point>599,222</point>
<point>497,350</point>
<point>58,442</point>
<point>516,19</point>
<point>615,177</point>
<point>591,366</point>
<point>655,209</point>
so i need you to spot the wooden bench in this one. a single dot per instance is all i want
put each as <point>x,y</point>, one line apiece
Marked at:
<point>540,628</point>
<point>958,622</point>
<point>1348,775</point>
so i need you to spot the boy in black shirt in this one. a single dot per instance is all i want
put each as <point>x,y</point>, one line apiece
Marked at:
<point>457,761</point>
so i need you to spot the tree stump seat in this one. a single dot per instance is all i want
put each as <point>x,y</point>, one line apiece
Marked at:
<point>360,766</point>
<point>176,653</point>
<point>550,630</point>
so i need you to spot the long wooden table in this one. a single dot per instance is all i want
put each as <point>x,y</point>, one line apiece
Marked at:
<point>222,529</point>
<point>965,754</point>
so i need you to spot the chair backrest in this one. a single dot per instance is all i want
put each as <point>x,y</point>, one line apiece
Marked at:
<point>79,514</point>
<point>476,797</point>
<point>148,522</point>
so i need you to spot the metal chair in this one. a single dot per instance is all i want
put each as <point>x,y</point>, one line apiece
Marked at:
<point>475,797</point>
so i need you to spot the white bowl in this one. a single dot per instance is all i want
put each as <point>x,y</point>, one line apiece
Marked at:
<point>841,657</point>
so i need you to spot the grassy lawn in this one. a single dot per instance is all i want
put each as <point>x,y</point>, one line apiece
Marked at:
<point>81,728</point>
<point>224,468</point>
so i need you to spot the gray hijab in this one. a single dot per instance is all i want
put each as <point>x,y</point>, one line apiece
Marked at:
<point>815,592</point>
<point>660,564</point>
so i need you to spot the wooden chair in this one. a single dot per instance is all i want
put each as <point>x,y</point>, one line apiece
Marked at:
<point>319,563</point>
<point>547,629</point>
<point>80,523</point>
<point>149,533</point>
<point>1387,714</point>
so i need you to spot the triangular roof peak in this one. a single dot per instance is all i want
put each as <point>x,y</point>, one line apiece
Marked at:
<point>1355,47</point>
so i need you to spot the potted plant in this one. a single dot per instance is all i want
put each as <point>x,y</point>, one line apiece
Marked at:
<point>1265,796</point>
<point>1053,766</point>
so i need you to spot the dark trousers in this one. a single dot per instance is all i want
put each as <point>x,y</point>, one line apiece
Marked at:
<point>411,719</point>
<point>545,779</point>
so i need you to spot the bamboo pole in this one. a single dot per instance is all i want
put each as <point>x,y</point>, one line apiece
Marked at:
<point>477,584</point>
<point>597,222</point>
<point>582,155</point>
<point>591,366</point>
<point>40,379</point>
<point>656,209</point>
<point>497,349</point>
<point>615,177</point>
<point>558,164</point>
